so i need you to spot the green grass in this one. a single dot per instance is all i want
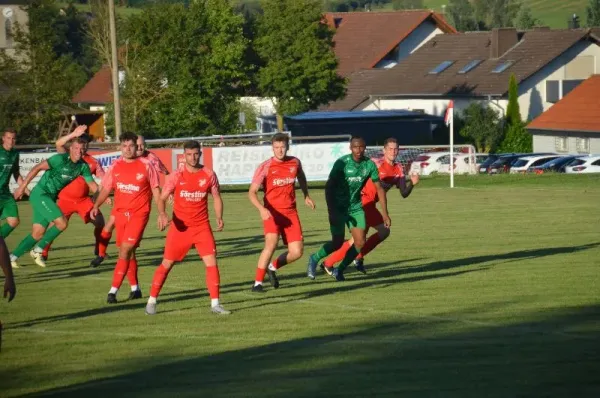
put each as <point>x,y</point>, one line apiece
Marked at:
<point>490,289</point>
<point>552,13</point>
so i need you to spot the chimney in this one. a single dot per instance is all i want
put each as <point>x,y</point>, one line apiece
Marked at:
<point>503,39</point>
<point>574,22</point>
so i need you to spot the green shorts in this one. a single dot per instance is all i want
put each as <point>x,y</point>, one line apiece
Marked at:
<point>8,208</point>
<point>45,209</point>
<point>353,219</point>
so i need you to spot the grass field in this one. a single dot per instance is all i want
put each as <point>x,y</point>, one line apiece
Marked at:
<point>490,289</point>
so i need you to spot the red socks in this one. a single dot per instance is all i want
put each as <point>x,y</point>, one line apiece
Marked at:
<point>160,276</point>
<point>102,239</point>
<point>120,272</point>
<point>370,244</point>
<point>337,255</point>
<point>260,274</point>
<point>132,272</point>
<point>212,281</point>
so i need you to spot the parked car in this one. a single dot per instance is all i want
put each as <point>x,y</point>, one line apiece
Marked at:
<point>503,163</point>
<point>523,164</point>
<point>484,166</point>
<point>428,163</point>
<point>556,165</point>
<point>584,164</point>
<point>463,163</point>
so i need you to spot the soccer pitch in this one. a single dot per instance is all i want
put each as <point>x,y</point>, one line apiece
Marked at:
<point>489,289</point>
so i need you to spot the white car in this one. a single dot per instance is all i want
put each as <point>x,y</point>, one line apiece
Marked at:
<point>584,164</point>
<point>428,163</point>
<point>463,164</point>
<point>523,164</point>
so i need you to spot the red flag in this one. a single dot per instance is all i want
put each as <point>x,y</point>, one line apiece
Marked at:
<point>449,113</point>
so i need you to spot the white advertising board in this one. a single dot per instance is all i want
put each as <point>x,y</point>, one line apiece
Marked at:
<point>236,165</point>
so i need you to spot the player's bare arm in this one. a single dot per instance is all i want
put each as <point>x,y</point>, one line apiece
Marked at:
<point>100,199</point>
<point>62,141</point>
<point>265,214</point>
<point>10,289</point>
<point>304,187</point>
<point>218,206</point>
<point>163,217</point>
<point>93,187</point>
<point>382,195</point>
<point>30,176</point>
<point>19,179</point>
<point>406,187</point>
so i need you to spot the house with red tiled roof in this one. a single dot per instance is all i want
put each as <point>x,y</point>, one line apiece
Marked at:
<point>97,92</point>
<point>365,40</point>
<point>476,67</point>
<point>572,125</point>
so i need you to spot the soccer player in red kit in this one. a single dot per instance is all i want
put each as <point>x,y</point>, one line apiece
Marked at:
<point>135,183</point>
<point>277,176</point>
<point>190,186</point>
<point>391,175</point>
<point>159,167</point>
<point>75,198</point>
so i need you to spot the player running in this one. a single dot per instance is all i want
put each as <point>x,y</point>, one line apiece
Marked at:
<point>280,218</point>
<point>191,185</point>
<point>75,198</point>
<point>60,170</point>
<point>9,167</point>
<point>135,183</point>
<point>159,167</point>
<point>391,175</point>
<point>343,194</point>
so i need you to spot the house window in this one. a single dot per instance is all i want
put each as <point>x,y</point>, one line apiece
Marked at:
<point>582,145</point>
<point>441,67</point>
<point>470,66</point>
<point>503,66</point>
<point>552,91</point>
<point>569,85</point>
<point>8,32</point>
<point>561,144</point>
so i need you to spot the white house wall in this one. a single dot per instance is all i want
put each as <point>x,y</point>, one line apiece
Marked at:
<point>547,143</point>
<point>532,98</point>
<point>421,35</point>
<point>434,106</point>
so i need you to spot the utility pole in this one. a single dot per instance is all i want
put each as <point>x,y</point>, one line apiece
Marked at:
<point>115,68</point>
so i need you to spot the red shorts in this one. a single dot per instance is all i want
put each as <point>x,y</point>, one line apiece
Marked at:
<point>286,224</point>
<point>81,207</point>
<point>372,215</point>
<point>180,240</point>
<point>130,227</point>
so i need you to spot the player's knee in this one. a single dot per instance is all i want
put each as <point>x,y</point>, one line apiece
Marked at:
<point>359,243</point>
<point>13,222</point>
<point>295,253</point>
<point>384,233</point>
<point>61,223</point>
<point>37,234</point>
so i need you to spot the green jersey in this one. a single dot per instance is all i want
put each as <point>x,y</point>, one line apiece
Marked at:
<point>9,165</point>
<point>62,171</point>
<point>347,179</point>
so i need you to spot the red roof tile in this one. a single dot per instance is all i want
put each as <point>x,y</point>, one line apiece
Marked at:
<point>362,39</point>
<point>577,111</point>
<point>97,90</point>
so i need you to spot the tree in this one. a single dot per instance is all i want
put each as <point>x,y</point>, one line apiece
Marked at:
<point>42,72</point>
<point>513,112</point>
<point>497,13</point>
<point>525,19</point>
<point>296,47</point>
<point>517,139</point>
<point>481,126</point>
<point>408,5</point>
<point>197,53</point>
<point>462,15</point>
<point>593,13</point>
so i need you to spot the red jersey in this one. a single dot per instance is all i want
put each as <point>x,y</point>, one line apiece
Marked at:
<point>132,183</point>
<point>155,162</point>
<point>190,192</point>
<point>389,176</point>
<point>278,178</point>
<point>78,189</point>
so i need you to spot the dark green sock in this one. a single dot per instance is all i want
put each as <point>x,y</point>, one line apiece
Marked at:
<point>5,230</point>
<point>26,244</point>
<point>348,258</point>
<point>323,252</point>
<point>49,236</point>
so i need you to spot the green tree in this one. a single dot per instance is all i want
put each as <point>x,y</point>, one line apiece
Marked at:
<point>462,15</point>
<point>513,111</point>
<point>516,139</point>
<point>525,19</point>
<point>300,67</point>
<point>40,74</point>
<point>408,4</point>
<point>481,126</point>
<point>497,13</point>
<point>197,53</point>
<point>593,13</point>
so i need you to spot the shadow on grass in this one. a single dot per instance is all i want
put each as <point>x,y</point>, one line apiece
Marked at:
<point>557,354</point>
